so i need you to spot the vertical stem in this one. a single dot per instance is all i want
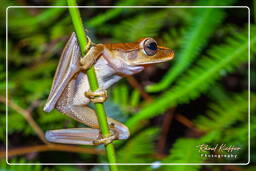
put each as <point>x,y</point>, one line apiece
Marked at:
<point>101,114</point>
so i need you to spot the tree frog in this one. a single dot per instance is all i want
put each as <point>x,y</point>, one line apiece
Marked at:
<point>70,92</point>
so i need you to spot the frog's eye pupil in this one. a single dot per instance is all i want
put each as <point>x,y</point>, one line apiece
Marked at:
<point>152,46</point>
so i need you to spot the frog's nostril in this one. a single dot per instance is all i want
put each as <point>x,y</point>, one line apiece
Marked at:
<point>171,52</point>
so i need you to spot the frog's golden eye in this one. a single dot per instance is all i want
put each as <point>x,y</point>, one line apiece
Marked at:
<point>150,47</point>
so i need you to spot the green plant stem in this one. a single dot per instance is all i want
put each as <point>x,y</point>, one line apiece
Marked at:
<point>101,114</point>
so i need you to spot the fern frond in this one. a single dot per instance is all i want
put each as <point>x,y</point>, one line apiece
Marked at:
<point>223,58</point>
<point>173,38</point>
<point>127,99</point>
<point>218,93</point>
<point>225,113</point>
<point>140,26</point>
<point>196,37</point>
<point>32,24</point>
<point>239,135</point>
<point>140,148</point>
<point>183,151</point>
<point>116,12</point>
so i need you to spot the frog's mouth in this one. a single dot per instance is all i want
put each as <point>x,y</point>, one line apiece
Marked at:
<point>162,55</point>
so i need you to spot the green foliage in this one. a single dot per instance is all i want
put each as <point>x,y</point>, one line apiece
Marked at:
<point>183,151</point>
<point>33,24</point>
<point>141,26</point>
<point>140,148</point>
<point>207,70</point>
<point>6,167</point>
<point>173,38</point>
<point>127,99</point>
<point>225,113</point>
<point>193,41</point>
<point>17,124</point>
<point>112,13</point>
<point>227,119</point>
<point>218,93</point>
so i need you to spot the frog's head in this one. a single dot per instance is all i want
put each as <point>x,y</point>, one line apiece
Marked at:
<point>130,58</point>
<point>148,52</point>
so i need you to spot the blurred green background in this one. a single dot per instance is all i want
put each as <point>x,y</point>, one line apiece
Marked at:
<point>201,97</point>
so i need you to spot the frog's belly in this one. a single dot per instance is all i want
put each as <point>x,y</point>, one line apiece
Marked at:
<point>80,87</point>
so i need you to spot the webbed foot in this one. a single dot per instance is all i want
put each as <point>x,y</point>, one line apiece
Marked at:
<point>105,140</point>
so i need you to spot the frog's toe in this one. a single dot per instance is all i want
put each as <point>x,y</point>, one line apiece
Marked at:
<point>105,140</point>
<point>98,96</point>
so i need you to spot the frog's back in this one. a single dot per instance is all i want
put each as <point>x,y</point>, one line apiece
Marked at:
<point>122,46</point>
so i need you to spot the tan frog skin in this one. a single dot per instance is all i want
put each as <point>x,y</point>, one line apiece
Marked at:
<point>70,92</point>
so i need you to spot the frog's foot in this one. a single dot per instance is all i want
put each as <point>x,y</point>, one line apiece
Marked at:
<point>98,96</point>
<point>106,140</point>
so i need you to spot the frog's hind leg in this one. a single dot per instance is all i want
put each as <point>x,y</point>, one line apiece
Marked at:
<point>87,136</point>
<point>87,116</point>
<point>70,104</point>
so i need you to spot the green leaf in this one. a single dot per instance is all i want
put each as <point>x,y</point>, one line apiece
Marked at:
<point>140,148</point>
<point>226,112</point>
<point>183,151</point>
